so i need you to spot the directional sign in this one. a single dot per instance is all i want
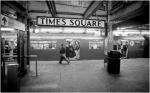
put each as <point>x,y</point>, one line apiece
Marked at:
<point>4,20</point>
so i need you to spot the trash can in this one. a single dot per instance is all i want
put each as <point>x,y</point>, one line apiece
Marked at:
<point>13,81</point>
<point>113,65</point>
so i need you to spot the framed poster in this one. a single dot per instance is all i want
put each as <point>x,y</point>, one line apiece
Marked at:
<point>40,46</point>
<point>52,45</point>
<point>43,44</point>
<point>95,44</point>
<point>74,48</point>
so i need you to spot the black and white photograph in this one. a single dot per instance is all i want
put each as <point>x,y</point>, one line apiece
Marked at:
<point>74,46</point>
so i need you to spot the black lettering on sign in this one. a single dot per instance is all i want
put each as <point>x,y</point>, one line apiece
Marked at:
<point>51,21</point>
<point>72,23</point>
<point>46,21</point>
<point>42,20</point>
<point>64,22</point>
<point>58,21</point>
<point>88,23</point>
<point>77,22</point>
<point>94,23</point>
<point>83,23</point>
<point>99,23</point>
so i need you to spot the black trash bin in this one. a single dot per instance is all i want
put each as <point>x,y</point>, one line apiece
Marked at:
<point>114,62</point>
<point>13,81</point>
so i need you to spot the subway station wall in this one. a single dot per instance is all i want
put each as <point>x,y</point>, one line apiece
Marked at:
<point>85,52</point>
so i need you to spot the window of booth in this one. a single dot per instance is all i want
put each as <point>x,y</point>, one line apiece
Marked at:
<point>8,43</point>
<point>43,44</point>
<point>95,45</point>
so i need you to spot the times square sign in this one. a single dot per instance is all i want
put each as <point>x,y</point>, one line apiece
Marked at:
<point>70,22</point>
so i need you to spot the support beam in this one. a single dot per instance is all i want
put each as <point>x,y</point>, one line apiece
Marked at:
<point>16,6</point>
<point>93,7</point>
<point>128,12</point>
<point>38,11</point>
<point>52,8</point>
<point>69,13</point>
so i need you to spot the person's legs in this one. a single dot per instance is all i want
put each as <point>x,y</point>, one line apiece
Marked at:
<point>124,54</point>
<point>61,58</point>
<point>66,59</point>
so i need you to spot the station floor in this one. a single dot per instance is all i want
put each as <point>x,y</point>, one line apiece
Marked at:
<point>87,76</point>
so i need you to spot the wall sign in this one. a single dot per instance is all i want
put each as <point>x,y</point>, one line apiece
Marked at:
<point>18,25</point>
<point>131,43</point>
<point>4,20</point>
<point>69,22</point>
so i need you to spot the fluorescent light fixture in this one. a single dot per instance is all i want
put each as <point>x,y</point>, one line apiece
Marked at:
<point>118,33</point>
<point>118,28</point>
<point>125,32</point>
<point>31,29</point>
<point>91,30</point>
<point>73,30</point>
<point>65,37</point>
<point>131,32</point>
<point>7,29</point>
<point>145,32</point>
<point>123,28</point>
<point>51,30</point>
<point>37,30</point>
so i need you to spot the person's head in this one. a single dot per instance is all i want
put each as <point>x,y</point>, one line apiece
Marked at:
<point>62,45</point>
<point>145,37</point>
<point>120,42</point>
<point>126,42</point>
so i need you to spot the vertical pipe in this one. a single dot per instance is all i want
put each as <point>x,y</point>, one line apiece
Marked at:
<point>28,36</point>
<point>106,24</point>
<point>106,31</point>
<point>36,67</point>
<point>18,48</point>
<point>0,43</point>
<point>109,27</point>
<point>28,45</point>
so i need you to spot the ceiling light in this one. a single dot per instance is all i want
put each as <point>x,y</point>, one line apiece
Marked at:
<point>7,29</point>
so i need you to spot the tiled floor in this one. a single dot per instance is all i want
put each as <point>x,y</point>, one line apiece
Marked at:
<point>87,76</point>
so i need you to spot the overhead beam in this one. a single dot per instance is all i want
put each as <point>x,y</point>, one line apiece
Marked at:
<point>93,7</point>
<point>119,5</point>
<point>69,13</point>
<point>16,6</point>
<point>38,11</point>
<point>58,12</point>
<point>64,13</point>
<point>128,12</point>
<point>52,8</point>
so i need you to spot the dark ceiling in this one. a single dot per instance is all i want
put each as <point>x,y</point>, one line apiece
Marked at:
<point>141,17</point>
<point>85,9</point>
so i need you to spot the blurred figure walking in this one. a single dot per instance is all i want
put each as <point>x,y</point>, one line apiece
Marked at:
<point>63,54</point>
